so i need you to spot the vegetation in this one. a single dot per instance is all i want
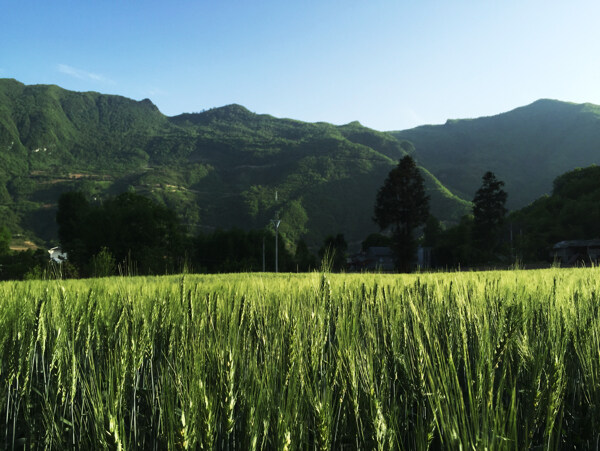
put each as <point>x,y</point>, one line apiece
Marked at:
<point>239,251</point>
<point>220,169</point>
<point>441,361</point>
<point>216,169</point>
<point>132,234</point>
<point>333,253</point>
<point>571,212</point>
<point>527,148</point>
<point>488,216</point>
<point>528,235</point>
<point>402,205</point>
<point>133,231</point>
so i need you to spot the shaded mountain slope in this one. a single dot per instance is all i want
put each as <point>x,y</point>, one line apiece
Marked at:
<point>527,148</point>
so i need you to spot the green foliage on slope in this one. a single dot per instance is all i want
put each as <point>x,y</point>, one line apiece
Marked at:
<point>527,148</point>
<point>219,168</point>
<point>572,212</point>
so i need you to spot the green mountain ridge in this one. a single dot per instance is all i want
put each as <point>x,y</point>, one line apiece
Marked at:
<point>219,168</point>
<point>527,148</point>
<point>222,167</point>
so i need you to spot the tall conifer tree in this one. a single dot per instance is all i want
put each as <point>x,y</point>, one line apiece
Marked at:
<point>488,215</point>
<point>402,205</point>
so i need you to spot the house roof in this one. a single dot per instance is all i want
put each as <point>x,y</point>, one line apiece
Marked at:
<point>576,243</point>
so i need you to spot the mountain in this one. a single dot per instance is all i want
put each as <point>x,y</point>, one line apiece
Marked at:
<point>527,148</point>
<point>223,167</point>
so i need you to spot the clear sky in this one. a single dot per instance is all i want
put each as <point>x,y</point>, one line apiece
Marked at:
<point>389,64</point>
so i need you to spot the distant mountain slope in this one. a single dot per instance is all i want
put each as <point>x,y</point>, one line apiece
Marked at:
<point>527,148</point>
<point>218,168</point>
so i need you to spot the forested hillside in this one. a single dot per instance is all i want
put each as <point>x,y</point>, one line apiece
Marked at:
<point>218,168</point>
<point>571,212</point>
<point>222,168</point>
<point>527,148</point>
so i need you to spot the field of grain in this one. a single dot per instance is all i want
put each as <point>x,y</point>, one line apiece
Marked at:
<point>489,360</point>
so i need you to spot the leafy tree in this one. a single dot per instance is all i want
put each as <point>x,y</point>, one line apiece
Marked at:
<point>488,215</point>
<point>305,260</point>
<point>375,240</point>
<point>403,205</point>
<point>5,238</point>
<point>453,247</point>
<point>17,265</point>
<point>140,229</point>
<point>236,250</point>
<point>73,209</point>
<point>572,212</point>
<point>130,227</point>
<point>432,232</point>
<point>103,264</point>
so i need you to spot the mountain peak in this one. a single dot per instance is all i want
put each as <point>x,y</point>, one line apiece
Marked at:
<point>148,104</point>
<point>234,108</point>
<point>229,112</point>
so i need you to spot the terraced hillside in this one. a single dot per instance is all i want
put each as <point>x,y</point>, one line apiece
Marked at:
<point>218,168</point>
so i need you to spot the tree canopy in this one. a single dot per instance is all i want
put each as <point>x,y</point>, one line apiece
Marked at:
<point>488,214</point>
<point>402,205</point>
<point>333,252</point>
<point>137,231</point>
<point>571,212</point>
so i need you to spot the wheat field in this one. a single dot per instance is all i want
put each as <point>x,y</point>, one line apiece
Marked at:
<point>481,360</point>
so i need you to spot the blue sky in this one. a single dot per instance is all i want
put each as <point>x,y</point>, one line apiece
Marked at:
<point>388,64</point>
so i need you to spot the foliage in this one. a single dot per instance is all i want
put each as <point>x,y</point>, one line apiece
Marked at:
<point>527,148</point>
<point>333,253</point>
<point>375,240</point>
<point>17,265</point>
<point>103,264</point>
<point>5,239</point>
<point>489,360</point>
<point>236,250</point>
<point>305,260</point>
<point>453,247</point>
<point>216,169</point>
<point>402,205</point>
<point>572,212</point>
<point>488,215</point>
<point>432,232</point>
<point>128,229</point>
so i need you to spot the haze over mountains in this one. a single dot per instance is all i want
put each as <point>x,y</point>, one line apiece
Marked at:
<point>222,167</point>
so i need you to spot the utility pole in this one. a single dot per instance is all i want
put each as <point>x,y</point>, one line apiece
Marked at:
<point>276,223</point>
<point>263,253</point>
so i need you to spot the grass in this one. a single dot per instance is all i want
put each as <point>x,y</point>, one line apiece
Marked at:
<point>495,360</point>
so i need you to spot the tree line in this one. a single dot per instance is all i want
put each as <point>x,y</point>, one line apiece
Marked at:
<point>133,234</point>
<point>402,209</point>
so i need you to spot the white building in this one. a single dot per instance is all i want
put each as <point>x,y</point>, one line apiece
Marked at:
<point>57,255</point>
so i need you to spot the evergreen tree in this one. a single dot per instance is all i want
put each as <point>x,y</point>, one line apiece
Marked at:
<point>488,215</point>
<point>402,205</point>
